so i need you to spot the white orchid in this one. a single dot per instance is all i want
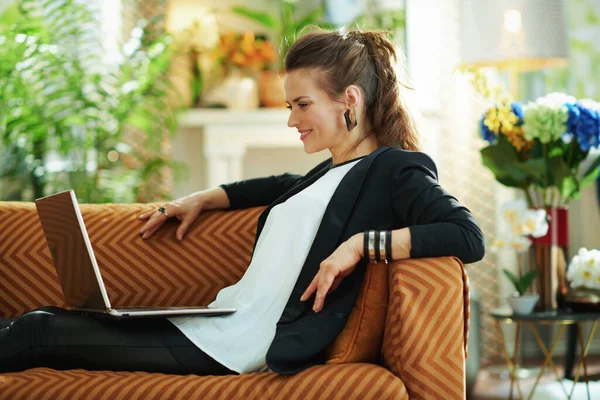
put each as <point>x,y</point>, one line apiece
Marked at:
<point>523,222</point>
<point>584,269</point>
<point>499,244</point>
<point>534,223</point>
<point>521,244</point>
<point>513,211</point>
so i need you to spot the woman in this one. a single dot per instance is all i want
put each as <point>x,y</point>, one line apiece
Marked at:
<point>376,198</point>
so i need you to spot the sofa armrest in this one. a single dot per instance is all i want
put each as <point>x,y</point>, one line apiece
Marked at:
<point>159,271</point>
<point>426,330</point>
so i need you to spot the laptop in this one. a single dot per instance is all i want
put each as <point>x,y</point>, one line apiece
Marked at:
<point>78,271</point>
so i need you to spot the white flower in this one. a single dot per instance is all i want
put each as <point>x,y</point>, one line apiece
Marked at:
<point>584,269</point>
<point>534,223</point>
<point>520,244</point>
<point>498,244</point>
<point>556,100</point>
<point>512,211</point>
<point>590,104</point>
<point>574,265</point>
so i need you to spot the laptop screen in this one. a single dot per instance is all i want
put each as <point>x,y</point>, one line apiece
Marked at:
<point>66,238</point>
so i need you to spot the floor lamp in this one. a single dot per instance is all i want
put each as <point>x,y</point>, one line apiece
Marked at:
<point>514,36</point>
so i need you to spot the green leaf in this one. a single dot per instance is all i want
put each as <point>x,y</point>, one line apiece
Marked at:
<point>589,179</point>
<point>559,172</point>
<point>513,279</point>
<point>534,168</point>
<point>502,159</point>
<point>262,18</point>
<point>592,168</point>
<point>569,187</point>
<point>526,281</point>
<point>312,17</point>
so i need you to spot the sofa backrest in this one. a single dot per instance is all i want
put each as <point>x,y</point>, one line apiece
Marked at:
<point>159,271</point>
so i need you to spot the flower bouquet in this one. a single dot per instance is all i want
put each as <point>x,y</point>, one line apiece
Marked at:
<point>241,58</point>
<point>540,147</point>
<point>583,276</point>
<point>543,148</point>
<point>244,51</point>
<point>523,223</point>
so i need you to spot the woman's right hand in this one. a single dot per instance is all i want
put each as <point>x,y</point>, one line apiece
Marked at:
<point>185,209</point>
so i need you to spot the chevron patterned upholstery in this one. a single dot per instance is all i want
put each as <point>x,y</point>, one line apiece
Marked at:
<point>425,329</point>
<point>342,382</point>
<point>427,297</point>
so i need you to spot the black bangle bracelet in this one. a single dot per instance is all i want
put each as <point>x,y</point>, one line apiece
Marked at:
<point>388,245</point>
<point>377,255</point>
<point>366,245</point>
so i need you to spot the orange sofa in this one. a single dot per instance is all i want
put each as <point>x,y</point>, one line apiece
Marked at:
<point>421,348</point>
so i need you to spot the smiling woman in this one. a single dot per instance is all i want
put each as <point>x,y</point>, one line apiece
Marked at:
<point>377,199</point>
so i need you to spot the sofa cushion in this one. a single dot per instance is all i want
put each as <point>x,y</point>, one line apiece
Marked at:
<point>360,341</point>
<point>343,382</point>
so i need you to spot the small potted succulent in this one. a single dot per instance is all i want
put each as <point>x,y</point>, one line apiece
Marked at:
<point>523,223</point>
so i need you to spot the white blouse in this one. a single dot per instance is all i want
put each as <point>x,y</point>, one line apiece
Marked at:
<point>240,341</point>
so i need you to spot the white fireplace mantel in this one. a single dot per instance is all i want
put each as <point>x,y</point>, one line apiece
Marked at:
<point>224,136</point>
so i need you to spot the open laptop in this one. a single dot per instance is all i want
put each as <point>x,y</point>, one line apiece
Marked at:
<point>77,268</point>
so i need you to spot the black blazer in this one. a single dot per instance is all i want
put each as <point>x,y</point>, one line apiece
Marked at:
<point>388,189</point>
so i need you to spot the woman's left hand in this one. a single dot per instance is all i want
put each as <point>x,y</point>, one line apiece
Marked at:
<point>333,269</point>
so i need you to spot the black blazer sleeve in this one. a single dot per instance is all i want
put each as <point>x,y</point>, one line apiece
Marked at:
<point>439,225</point>
<point>264,191</point>
<point>259,191</point>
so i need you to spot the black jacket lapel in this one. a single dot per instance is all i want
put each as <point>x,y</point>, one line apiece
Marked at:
<point>330,233</point>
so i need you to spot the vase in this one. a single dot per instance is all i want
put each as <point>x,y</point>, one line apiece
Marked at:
<point>548,256</point>
<point>583,299</point>
<point>237,91</point>
<point>523,304</point>
<point>270,89</point>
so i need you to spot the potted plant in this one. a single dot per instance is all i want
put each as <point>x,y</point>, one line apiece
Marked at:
<point>522,302</point>
<point>242,56</point>
<point>71,120</point>
<point>522,223</point>
<point>285,26</point>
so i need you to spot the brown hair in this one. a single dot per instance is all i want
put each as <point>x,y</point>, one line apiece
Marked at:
<point>366,59</point>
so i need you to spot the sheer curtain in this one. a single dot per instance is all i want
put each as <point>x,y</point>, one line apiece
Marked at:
<point>449,114</point>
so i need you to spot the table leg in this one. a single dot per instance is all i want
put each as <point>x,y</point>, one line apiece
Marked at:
<point>584,350</point>
<point>548,359</point>
<point>570,351</point>
<point>512,369</point>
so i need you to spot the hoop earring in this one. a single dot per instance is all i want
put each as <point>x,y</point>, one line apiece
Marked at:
<point>351,121</point>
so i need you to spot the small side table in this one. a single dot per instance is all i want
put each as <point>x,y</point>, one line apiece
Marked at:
<point>562,318</point>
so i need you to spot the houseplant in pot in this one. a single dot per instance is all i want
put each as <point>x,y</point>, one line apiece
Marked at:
<point>522,224</point>
<point>285,25</point>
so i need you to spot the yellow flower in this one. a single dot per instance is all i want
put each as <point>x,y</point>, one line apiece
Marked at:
<point>516,137</point>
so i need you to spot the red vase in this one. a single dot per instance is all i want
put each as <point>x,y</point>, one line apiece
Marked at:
<point>548,256</point>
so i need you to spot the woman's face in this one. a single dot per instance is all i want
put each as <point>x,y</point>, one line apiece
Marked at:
<point>318,118</point>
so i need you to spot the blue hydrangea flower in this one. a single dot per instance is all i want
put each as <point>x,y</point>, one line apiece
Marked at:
<point>587,129</point>
<point>486,133</point>
<point>573,118</point>
<point>517,109</point>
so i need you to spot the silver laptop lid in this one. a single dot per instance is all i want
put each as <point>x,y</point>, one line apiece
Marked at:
<point>71,251</point>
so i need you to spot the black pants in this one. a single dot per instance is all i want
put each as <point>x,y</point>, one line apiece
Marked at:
<point>61,339</point>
